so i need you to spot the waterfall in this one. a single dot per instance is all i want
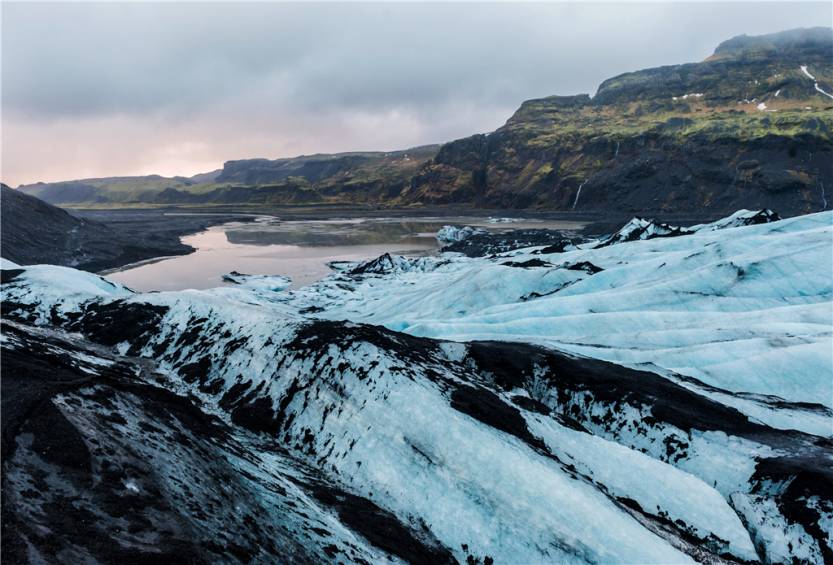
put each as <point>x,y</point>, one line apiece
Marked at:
<point>578,194</point>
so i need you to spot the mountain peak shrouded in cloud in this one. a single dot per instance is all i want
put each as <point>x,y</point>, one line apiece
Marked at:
<point>789,40</point>
<point>92,90</point>
<point>747,127</point>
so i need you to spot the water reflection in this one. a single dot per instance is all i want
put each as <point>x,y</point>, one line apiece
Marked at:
<point>298,249</point>
<point>335,233</point>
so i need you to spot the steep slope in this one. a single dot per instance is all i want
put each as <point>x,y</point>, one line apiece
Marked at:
<point>478,450</point>
<point>32,231</point>
<point>750,127</point>
<point>102,464</point>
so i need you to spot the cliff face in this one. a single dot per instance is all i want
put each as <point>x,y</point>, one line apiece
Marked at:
<point>749,127</point>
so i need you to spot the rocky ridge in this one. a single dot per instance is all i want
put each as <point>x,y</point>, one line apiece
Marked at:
<point>749,127</point>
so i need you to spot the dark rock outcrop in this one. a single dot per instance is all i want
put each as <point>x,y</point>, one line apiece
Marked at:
<point>101,464</point>
<point>33,231</point>
<point>747,128</point>
<point>489,243</point>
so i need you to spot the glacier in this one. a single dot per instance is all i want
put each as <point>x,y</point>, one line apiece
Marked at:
<point>451,234</point>
<point>662,395</point>
<point>734,309</point>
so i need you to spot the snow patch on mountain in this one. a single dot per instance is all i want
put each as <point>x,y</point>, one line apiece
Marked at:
<point>820,90</point>
<point>806,72</point>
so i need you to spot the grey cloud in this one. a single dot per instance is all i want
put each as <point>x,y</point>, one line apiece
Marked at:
<point>273,78</point>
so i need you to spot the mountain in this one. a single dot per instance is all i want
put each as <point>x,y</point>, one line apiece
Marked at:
<point>33,232</point>
<point>351,177</point>
<point>107,190</point>
<point>749,127</point>
<point>657,399</point>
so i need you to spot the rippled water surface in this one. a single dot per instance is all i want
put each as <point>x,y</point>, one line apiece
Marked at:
<point>299,249</point>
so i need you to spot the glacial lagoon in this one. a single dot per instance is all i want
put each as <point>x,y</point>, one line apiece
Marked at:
<point>301,249</point>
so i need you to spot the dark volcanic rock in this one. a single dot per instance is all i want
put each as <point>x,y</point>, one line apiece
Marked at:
<point>95,444</point>
<point>383,529</point>
<point>642,229</point>
<point>382,264</point>
<point>531,263</point>
<point>745,128</point>
<point>333,434</point>
<point>35,232</point>
<point>99,463</point>
<point>489,243</point>
<point>585,266</point>
<point>484,405</point>
<point>683,138</point>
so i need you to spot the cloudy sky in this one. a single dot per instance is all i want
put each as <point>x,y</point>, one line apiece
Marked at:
<point>177,88</point>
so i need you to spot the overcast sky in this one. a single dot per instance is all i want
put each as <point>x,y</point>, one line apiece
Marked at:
<point>122,89</point>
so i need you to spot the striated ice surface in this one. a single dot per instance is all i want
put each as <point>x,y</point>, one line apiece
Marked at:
<point>659,396</point>
<point>747,309</point>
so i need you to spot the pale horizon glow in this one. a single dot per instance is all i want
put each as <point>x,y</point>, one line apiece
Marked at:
<point>123,89</point>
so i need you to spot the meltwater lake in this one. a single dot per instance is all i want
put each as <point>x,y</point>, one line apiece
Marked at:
<point>301,249</point>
